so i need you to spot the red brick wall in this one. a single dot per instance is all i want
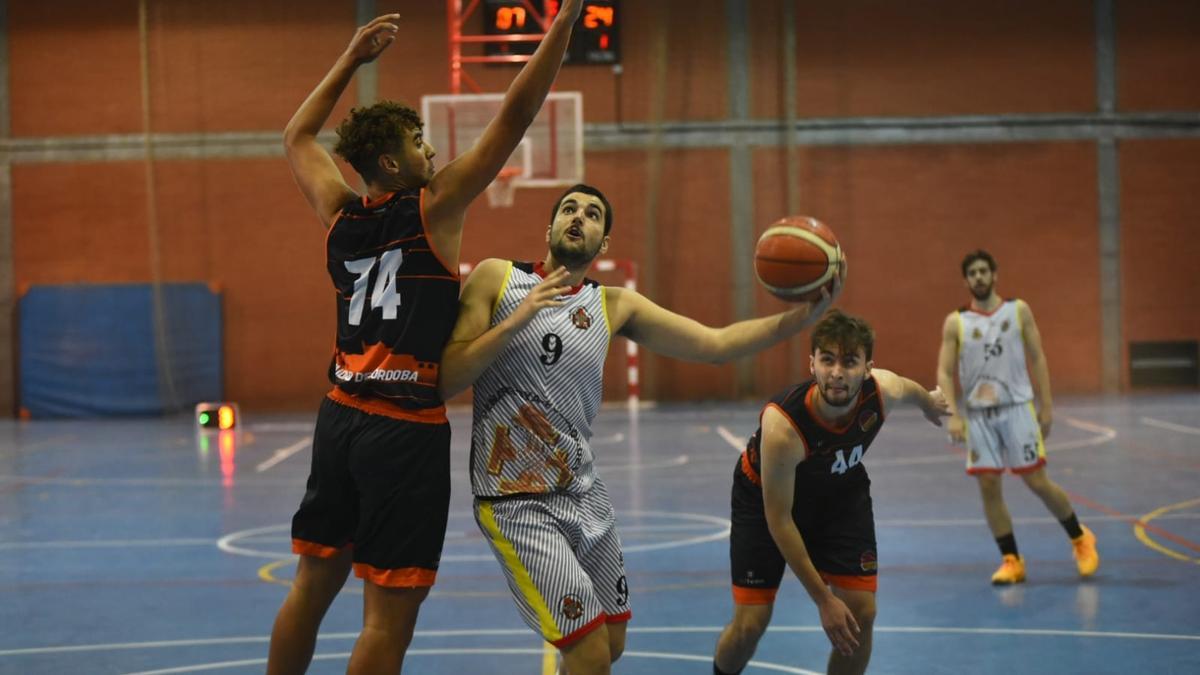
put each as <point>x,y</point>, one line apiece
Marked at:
<point>905,214</point>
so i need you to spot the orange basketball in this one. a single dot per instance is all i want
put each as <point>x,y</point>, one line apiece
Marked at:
<point>796,257</point>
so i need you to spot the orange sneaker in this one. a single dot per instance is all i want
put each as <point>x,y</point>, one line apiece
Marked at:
<point>1011,571</point>
<point>1084,549</point>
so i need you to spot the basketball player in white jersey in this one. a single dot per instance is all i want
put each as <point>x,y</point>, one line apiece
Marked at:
<point>994,341</point>
<point>533,338</point>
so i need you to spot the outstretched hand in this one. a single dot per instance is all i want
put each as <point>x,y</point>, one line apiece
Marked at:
<point>542,296</point>
<point>570,10</point>
<point>937,407</point>
<point>370,40</point>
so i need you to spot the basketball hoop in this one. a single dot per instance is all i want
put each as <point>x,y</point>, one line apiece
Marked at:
<point>500,192</point>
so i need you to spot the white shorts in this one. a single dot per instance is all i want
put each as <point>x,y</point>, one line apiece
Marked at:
<point>1004,437</point>
<point>562,558</point>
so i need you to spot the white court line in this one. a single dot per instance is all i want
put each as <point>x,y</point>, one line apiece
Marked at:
<point>1151,422</point>
<point>140,482</point>
<point>104,543</point>
<point>1103,435</point>
<point>608,440</point>
<point>282,454</point>
<point>884,522</point>
<point>737,444</point>
<point>650,630</point>
<point>281,427</point>
<point>219,665</point>
<point>956,522</point>
<point>661,464</point>
<point>230,543</point>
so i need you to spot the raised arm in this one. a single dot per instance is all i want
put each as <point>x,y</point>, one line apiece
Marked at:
<point>475,343</point>
<point>453,188</point>
<point>1036,357</point>
<point>638,318</point>
<point>947,362</point>
<point>781,449</point>
<point>899,390</point>
<point>313,167</point>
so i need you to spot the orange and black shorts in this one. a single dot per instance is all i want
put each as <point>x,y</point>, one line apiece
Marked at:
<point>379,485</point>
<point>838,532</point>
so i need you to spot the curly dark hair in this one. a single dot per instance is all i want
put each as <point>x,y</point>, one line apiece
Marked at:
<point>844,331</point>
<point>976,255</point>
<point>369,132</point>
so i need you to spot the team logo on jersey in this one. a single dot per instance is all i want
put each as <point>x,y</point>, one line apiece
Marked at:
<point>572,607</point>
<point>977,335</point>
<point>581,319</point>
<point>974,456</point>
<point>867,420</point>
<point>1004,326</point>
<point>867,561</point>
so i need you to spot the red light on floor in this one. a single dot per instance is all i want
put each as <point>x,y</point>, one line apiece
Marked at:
<point>227,448</point>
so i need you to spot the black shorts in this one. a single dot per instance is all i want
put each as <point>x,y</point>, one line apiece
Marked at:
<point>381,485</point>
<point>838,532</point>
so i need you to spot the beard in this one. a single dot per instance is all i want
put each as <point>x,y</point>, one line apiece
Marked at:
<point>848,397</point>
<point>984,293</point>
<point>574,255</point>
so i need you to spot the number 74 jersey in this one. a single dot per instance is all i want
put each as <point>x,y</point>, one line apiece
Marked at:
<point>396,304</point>
<point>534,406</point>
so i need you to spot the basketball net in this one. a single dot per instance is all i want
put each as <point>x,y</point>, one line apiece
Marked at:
<point>500,192</point>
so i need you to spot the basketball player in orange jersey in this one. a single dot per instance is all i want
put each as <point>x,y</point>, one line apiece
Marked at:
<point>801,496</point>
<point>995,342</point>
<point>533,337</point>
<point>379,488</point>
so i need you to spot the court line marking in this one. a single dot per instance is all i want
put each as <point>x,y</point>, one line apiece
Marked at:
<point>883,522</point>
<point>1139,530</point>
<point>282,454</point>
<point>511,651</point>
<point>228,543</point>
<point>642,466</point>
<point>649,630</point>
<point>730,438</point>
<point>103,543</point>
<point>1169,426</point>
<point>1103,435</point>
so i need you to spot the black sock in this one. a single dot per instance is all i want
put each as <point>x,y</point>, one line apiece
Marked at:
<point>1007,544</point>
<point>1071,525</point>
<point>718,671</point>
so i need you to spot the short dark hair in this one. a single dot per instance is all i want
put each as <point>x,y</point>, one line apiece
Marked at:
<point>587,190</point>
<point>844,331</point>
<point>369,132</point>
<point>976,255</point>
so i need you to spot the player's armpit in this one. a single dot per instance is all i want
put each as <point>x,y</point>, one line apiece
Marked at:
<point>476,303</point>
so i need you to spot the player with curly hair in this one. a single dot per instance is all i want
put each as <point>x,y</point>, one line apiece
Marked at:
<point>378,492</point>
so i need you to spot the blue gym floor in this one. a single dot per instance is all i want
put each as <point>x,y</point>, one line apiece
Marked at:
<point>132,547</point>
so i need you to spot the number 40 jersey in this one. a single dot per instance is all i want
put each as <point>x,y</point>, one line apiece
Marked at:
<point>534,405</point>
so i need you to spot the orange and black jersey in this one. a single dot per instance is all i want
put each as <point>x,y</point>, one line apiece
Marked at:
<point>397,302</point>
<point>832,456</point>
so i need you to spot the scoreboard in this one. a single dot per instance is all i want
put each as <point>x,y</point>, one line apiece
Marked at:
<point>595,40</point>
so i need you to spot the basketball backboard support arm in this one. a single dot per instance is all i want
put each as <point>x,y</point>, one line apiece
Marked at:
<point>456,19</point>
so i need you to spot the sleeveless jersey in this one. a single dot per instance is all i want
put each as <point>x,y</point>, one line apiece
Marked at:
<point>991,357</point>
<point>396,306</point>
<point>534,405</point>
<point>832,457</point>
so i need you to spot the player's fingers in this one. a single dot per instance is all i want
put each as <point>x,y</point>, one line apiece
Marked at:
<point>383,19</point>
